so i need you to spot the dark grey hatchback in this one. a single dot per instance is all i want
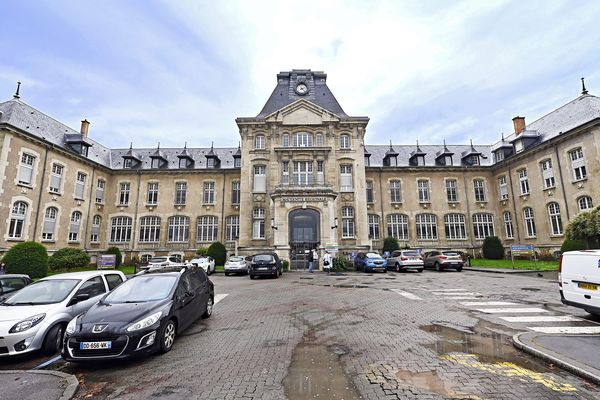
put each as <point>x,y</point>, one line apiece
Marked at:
<point>265,264</point>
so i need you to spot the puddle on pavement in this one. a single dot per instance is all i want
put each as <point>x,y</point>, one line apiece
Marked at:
<point>428,380</point>
<point>316,372</point>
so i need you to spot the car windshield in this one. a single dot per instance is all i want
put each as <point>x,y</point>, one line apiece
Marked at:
<point>158,259</point>
<point>236,259</point>
<point>449,253</point>
<point>263,257</point>
<point>373,255</point>
<point>141,289</point>
<point>47,291</point>
<point>410,254</point>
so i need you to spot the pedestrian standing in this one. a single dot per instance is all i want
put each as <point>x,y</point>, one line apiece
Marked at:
<point>2,268</point>
<point>327,261</point>
<point>311,259</point>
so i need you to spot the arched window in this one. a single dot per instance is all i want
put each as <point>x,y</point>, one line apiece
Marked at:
<point>529,222</point>
<point>585,203</point>
<point>344,141</point>
<point>454,225</point>
<point>120,229</point>
<point>17,220</point>
<point>149,229</point>
<point>49,223</point>
<point>483,225</point>
<point>556,227</point>
<point>285,140</point>
<point>206,228</point>
<point>74,226</point>
<point>95,234</point>
<point>259,142</point>
<point>508,226</point>
<point>397,226</point>
<point>373,220</point>
<point>348,222</point>
<point>319,139</point>
<point>179,229</point>
<point>426,226</point>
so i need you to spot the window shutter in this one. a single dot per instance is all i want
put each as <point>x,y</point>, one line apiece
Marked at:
<point>55,182</point>
<point>25,174</point>
<point>74,227</point>
<point>79,187</point>
<point>99,195</point>
<point>260,183</point>
<point>49,226</point>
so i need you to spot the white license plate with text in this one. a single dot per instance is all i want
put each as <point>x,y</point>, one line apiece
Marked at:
<point>95,345</point>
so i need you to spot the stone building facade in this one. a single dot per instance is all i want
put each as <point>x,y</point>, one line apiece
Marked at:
<point>301,178</point>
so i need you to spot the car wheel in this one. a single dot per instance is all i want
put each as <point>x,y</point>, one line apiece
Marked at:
<point>167,336</point>
<point>420,270</point>
<point>53,340</point>
<point>276,274</point>
<point>226,273</point>
<point>209,308</point>
<point>438,267</point>
<point>251,276</point>
<point>397,268</point>
<point>459,269</point>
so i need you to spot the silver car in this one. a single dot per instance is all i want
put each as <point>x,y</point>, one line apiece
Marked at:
<point>237,265</point>
<point>36,316</point>
<point>402,260</point>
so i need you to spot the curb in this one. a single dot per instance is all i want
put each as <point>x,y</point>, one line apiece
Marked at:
<point>503,271</point>
<point>72,382</point>
<point>555,358</point>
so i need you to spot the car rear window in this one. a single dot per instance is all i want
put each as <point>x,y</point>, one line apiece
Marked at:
<point>236,259</point>
<point>373,255</point>
<point>263,257</point>
<point>410,253</point>
<point>158,259</point>
<point>449,253</point>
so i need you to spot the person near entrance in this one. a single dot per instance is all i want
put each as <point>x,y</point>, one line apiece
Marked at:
<point>311,260</point>
<point>327,261</point>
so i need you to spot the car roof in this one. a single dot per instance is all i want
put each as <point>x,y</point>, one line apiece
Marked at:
<point>14,276</point>
<point>81,274</point>
<point>162,271</point>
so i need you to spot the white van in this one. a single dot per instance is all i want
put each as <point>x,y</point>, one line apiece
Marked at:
<point>579,279</point>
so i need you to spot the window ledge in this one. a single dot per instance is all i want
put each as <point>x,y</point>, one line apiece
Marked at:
<point>74,241</point>
<point>122,205</point>
<point>25,185</point>
<point>15,240</point>
<point>530,237</point>
<point>55,193</point>
<point>549,188</point>
<point>577,181</point>
<point>150,204</point>
<point>48,241</point>
<point>78,198</point>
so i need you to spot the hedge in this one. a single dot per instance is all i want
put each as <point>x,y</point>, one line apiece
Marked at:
<point>68,258</point>
<point>217,251</point>
<point>116,252</point>
<point>492,248</point>
<point>28,258</point>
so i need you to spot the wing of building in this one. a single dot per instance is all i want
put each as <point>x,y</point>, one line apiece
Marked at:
<point>302,178</point>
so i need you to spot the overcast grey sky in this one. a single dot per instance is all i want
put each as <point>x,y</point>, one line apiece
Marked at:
<point>176,71</point>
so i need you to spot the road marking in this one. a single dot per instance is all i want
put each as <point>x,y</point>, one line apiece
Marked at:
<point>489,303</point>
<point>457,294</point>
<point>48,362</point>
<point>460,298</point>
<point>406,294</point>
<point>219,297</point>
<point>542,318</point>
<point>450,290</point>
<point>510,310</point>
<point>566,329</point>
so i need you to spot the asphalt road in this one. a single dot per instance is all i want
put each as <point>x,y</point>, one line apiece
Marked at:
<point>374,336</point>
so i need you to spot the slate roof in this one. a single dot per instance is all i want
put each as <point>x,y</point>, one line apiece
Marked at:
<point>225,154</point>
<point>404,153</point>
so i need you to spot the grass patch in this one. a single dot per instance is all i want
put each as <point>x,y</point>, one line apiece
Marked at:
<point>219,268</point>
<point>519,264</point>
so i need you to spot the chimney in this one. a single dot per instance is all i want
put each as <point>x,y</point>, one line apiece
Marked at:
<point>85,126</point>
<point>519,123</point>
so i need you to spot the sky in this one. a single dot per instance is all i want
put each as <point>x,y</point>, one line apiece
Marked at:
<point>172,71</point>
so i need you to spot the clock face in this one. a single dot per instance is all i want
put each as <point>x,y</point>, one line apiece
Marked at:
<point>301,89</point>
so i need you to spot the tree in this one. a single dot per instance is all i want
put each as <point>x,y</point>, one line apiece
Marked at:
<point>586,226</point>
<point>29,258</point>
<point>390,244</point>
<point>68,258</point>
<point>492,248</point>
<point>115,250</point>
<point>217,251</point>
<point>202,251</point>
<point>573,244</point>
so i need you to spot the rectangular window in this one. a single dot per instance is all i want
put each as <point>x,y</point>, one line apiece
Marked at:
<point>179,229</point>
<point>56,178</point>
<point>454,225</point>
<point>120,229</point>
<point>499,155</point>
<point>578,164</point>
<point>523,181</point>
<point>344,141</point>
<point>152,195</point>
<point>124,190</point>
<point>370,195</point>
<point>508,227</point>
<point>206,229</point>
<point>210,163</point>
<point>100,185</point>
<point>320,172</point>
<point>426,225</point>
<point>503,187</point>
<point>395,192</point>
<point>483,226</point>
<point>155,163</point>
<point>303,173</point>
<point>397,226</point>
<point>237,162</point>
<point>423,190</point>
<point>235,192</point>
<point>479,189</point>
<point>95,233</point>
<point>451,190</point>
<point>373,226</point>
<point>260,178</point>
<point>347,223</point>
<point>529,222</point>
<point>180,193</point>
<point>80,185</point>
<point>285,172</point>
<point>209,193</point>
<point>346,178</point>
<point>232,227</point>
<point>547,174</point>
<point>302,140</point>
<point>149,229</point>
<point>258,223</point>
<point>26,169</point>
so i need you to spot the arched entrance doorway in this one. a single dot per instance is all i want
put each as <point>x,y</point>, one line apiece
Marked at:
<point>304,235</point>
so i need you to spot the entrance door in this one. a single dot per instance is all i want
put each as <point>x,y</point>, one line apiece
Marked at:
<point>304,236</point>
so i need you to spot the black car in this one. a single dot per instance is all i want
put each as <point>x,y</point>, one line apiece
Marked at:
<point>267,264</point>
<point>142,315</point>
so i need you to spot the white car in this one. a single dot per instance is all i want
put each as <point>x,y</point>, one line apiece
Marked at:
<point>35,317</point>
<point>207,263</point>
<point>163,261</point>
<point>402,260</point>
<point>579,279</point>
<point>237,265</point>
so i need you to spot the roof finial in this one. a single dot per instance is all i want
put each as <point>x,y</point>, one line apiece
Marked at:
<point>390,144</point>
<point>503,136</point>
<point>185,145</point>
<point>16,95</point>
<point>471,143</point>
<point>158,147</point>
<point>239,144</point>
<point>130,145</point>
<point>212,144</point>
<point>583,89</point>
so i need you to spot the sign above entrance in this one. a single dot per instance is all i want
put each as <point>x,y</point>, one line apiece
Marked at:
<point>302,199</point>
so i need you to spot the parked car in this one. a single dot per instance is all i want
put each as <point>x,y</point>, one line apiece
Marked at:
<point>441,260</point>
<point>11,284</point>
<point>36,316</point>
<point>142,316</point>
<point>370,261</point>
<point>579,279</point>
<point>237,265</point>
<point>163,262</point>
<point>265,264</point>
<point>207,263</point>
<point>466,257</point>
<point>402,260</point>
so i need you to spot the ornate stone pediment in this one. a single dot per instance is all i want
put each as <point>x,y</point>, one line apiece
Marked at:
<point>303,112</point>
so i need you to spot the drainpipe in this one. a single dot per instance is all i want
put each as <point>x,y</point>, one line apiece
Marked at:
<point>135,215</point>
<point>562,183</point>
<point>39,202</point>
<point>87,218</point>
<point>222,234</point>
<point>381,195</point>
<point>469,216</point>
<point>512,193</point>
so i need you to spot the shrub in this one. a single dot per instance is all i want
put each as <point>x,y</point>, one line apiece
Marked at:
<point>116,252</point>
<point>218,252</point>
<point>573,244</point>
<point>390,244</point>
<point>68,258</point>
<point>340,264</point>
<point>492,248</point>
<point>545,255</point>
<point>202,251</point>
<point>29,258</point>
<point>285,264</point>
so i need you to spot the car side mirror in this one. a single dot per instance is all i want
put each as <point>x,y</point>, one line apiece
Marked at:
<point>79,298</point>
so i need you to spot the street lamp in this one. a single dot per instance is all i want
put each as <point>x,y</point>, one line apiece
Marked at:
<point>335,223</point>
<point>273,223</point>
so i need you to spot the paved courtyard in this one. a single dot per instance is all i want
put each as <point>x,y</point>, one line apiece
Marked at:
<point>372,336</point>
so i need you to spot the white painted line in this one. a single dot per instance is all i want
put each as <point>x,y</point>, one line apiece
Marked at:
<point>220,296</point>
<point>450,290</point>
<point>457,294</point>
<point>488,303</point>
<point>460,298</point>
<point>542,318</point>
<point>406,294</point>
<point>49,362</point>
<point>510,310</point>
<point>566,329</point>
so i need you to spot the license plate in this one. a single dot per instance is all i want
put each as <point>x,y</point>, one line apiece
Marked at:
<point>95,345</point>
<point>588,286</point>
<point>262,268</point>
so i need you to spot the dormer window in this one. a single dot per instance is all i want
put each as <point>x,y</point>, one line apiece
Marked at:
<point>499,155</point>
<point>474,159</point>
<point>237,162</point>
<point>183,163</point>
<point>367,160</point>
<point>518,146</point>
<point>210,163</point>
<point>155,163</point>
<point>128,163</point>
<point>448,160</point>
<point>419,159</point>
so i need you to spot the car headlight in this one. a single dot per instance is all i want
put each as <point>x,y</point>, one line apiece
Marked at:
<point>144,323</point>
<point>27,323</point>
<point>71,326</point>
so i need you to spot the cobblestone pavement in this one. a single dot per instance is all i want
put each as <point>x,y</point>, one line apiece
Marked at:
<point>393,336</point>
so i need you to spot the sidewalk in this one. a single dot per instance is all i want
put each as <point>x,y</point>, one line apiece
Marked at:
<point>34,385</point>
<point>578,354</point>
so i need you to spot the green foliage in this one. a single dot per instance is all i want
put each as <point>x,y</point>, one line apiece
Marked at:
<point>217,251</point>
<point>29,258</point>
<point>390,244</point>
<point>285,264</point>
<point>116,252</point>
<point>492,248</point>
<point>585,226</point>
<point>573,244</point>
<point>202,251</point>
<point>68,258</point>
<point>340,264</point>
